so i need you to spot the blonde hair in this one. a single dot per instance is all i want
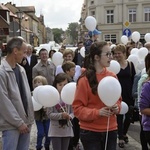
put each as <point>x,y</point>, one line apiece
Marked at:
<point>68,51</point>
<point>40,78</point>
<point>121,48</point>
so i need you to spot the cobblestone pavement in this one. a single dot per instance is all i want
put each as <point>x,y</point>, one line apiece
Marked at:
<point>132,145</point>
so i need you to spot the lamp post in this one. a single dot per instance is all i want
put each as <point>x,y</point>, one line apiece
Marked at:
<point>19,15</point>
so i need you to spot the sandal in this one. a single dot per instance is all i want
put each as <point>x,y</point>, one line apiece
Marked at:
<point>121,144</point>
<point>126,139</point>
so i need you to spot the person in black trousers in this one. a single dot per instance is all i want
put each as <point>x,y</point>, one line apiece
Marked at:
<point>28,63</point>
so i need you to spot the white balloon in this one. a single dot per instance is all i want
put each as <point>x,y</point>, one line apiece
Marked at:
<point>124,39</point>
<point>35,92</point>
<point>142,53</point>
<point>57,58</point>
<point>147,37</point>
<point>82,51</point>
<point>141,65</point>
<point>45,46</point>
<point>90,23</point>
<point>109,90</point>
<point>36,105</point>
<point>114,66</point>
<point>68,92</point>
<point>134,51</point>
<point>133,58</point>
<point>124,108</point>
<point>135,36</point>
<point>48,96</point>
<point>112,46</point>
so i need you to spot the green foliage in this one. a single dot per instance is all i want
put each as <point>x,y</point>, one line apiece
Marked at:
<point>72,30</point>
<point>57,34</point>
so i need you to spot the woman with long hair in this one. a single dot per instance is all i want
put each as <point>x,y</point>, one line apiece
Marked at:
<point>88,107</point>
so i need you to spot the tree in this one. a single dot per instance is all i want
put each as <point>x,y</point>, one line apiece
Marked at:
<point>72,30</point>
<point>58,34</point>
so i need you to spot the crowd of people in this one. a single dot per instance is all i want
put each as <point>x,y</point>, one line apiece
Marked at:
<point>86,119</point>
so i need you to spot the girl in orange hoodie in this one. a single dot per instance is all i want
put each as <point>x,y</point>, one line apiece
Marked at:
<point>88,108</point>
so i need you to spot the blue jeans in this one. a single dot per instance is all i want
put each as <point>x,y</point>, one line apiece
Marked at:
<point>42,128</point>
<point>12,139</point>
<point>96,140</point>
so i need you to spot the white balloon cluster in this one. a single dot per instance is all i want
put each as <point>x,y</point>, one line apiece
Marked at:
<point>137,57</point>
<point>46,96</point>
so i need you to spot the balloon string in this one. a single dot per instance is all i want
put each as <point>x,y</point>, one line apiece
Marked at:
<point>107,132</point>
<point>65,111</point>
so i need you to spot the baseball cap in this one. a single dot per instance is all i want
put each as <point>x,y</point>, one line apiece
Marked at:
<point>95,32</point>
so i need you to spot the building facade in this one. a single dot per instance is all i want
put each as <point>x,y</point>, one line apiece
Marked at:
<point>118,17</point>
<point>28,25</point>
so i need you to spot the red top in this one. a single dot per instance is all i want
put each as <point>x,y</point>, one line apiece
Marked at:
<point>86,106</point>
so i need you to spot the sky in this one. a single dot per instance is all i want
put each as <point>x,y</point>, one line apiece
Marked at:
<point>57,13</point>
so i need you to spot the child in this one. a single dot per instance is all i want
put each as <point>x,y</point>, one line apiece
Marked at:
<point>41,119</point>
<point>87,105</point>
<point>69,68</point>
<point>60,129</point>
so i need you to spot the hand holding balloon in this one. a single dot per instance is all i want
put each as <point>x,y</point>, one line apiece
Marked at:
<point>105,111</point>
<point>115,109</point>
<point>66,116</point>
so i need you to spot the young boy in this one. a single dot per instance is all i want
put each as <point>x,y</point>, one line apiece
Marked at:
<point>69,68</point>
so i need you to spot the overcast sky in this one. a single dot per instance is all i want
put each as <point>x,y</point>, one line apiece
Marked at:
<point>57,13</point>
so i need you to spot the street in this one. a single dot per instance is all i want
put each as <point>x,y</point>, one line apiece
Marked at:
<point>134,131</point>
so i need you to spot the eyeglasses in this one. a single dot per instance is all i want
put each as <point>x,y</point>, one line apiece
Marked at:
<point>108,54</point>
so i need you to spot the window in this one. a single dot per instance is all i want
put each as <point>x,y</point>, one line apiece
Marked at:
<point>147,14</point>
<point>92,2</point>
<point>92,13</point>
<point>132,15</point>
<point>110,16</point>
<point>111,37</point>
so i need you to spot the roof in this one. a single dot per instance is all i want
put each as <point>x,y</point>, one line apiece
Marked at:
<point>3,7</point>
<point>27,9</point>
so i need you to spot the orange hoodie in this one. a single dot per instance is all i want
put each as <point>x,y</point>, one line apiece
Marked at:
<point>86,106</point>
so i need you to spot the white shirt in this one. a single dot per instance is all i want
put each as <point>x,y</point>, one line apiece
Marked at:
<point>29,59</point>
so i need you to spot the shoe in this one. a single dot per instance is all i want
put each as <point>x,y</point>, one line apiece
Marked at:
<point>126,139</point>
<point>121,144</point>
